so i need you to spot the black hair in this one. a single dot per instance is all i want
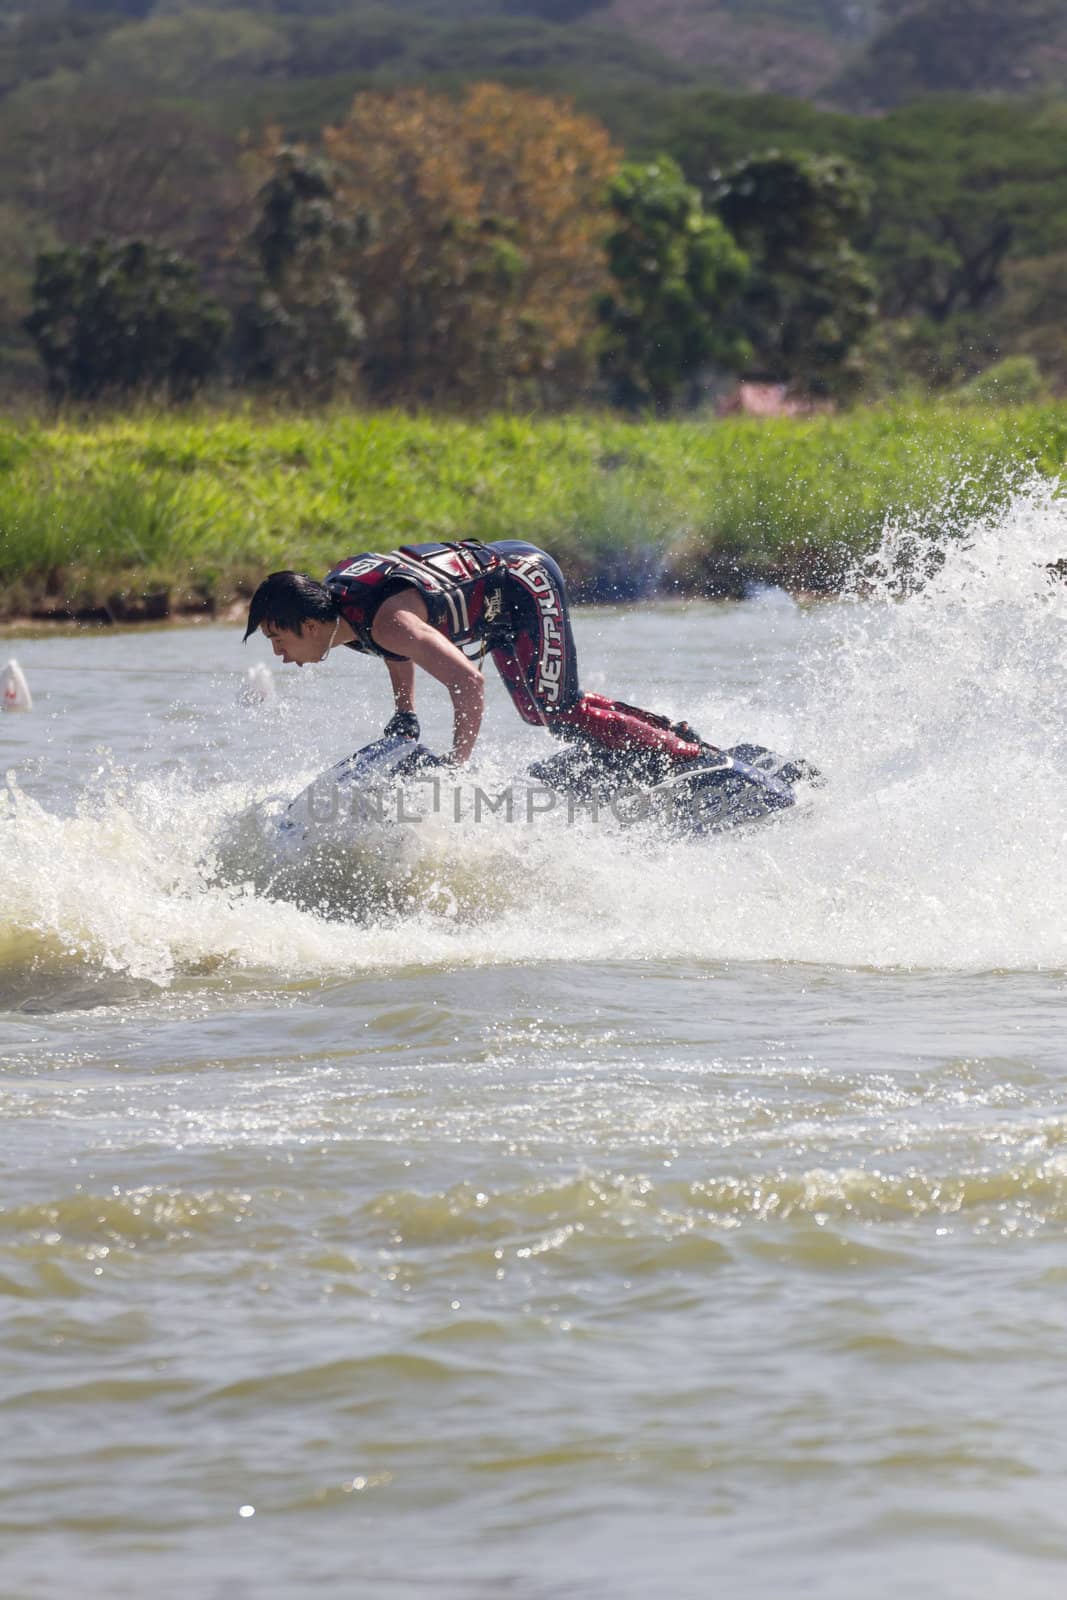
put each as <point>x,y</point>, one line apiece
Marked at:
<point>288,600</point>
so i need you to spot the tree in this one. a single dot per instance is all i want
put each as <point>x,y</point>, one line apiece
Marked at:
<point>811,296</point>
<point>189,51</point>
<point>959,46</point>
<point>967,226</point>
<point>958,188</point>
<point>78,166</point>
<point>96,166</point>
<point>478,279</point>
<point>677,274</point>
<point>47,41</point>
<point>304,332</point>
<point>116,318</point>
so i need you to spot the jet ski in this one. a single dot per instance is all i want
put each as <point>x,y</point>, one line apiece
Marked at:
<point>396,780</point>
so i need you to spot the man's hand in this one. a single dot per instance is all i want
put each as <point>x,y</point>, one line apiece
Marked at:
<point>401,627</point>
<point>401,725</point>
<point>428,761</point>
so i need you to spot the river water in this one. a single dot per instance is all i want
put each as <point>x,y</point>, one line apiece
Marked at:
<point>546,1209</point>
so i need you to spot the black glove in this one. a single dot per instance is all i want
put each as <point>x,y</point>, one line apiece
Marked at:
<point>421,760</point>
<point>426,760</point>
<point>403,725</point>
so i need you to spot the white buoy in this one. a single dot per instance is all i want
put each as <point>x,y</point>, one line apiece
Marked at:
<point>14,690</point>
<point>257,686</point>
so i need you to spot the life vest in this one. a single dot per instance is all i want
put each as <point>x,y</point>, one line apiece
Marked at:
<point>460,584</point>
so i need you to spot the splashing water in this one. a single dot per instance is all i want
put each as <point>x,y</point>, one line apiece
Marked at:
<point>938,708</point>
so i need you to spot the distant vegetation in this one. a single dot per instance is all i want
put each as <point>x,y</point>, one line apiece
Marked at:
<point>166,125</point>
<point>463,252</point>
<point>966,46</point>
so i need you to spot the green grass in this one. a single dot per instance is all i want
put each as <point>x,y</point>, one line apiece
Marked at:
<point>198,507</point>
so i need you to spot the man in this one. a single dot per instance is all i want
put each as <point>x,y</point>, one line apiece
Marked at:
<point>419,605</point>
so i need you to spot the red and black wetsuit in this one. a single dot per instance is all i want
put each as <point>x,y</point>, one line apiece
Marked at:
<point>510,597</point>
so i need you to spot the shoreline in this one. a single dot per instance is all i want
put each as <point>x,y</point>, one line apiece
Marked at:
<point>176,517</point>
<point>100,619</point>
<point>734,583</point>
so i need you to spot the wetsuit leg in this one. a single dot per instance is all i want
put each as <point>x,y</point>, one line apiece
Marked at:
<point>539,666</point>
<point>537,659</point>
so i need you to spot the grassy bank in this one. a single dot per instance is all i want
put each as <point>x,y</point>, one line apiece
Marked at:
<point>147,515</point>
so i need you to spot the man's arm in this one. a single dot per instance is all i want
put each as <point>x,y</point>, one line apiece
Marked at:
<point>402,677</point>
<point>401,627</point>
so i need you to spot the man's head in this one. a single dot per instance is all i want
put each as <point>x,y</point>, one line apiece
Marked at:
<point>297,614</point>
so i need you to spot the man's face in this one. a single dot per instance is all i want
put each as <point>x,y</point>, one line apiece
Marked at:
<point>310,644</point>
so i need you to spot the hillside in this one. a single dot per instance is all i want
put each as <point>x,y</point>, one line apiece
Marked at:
<point>959,47</point>
<point>791,47</point>
<point>303,59</point>
<point>282,52</point>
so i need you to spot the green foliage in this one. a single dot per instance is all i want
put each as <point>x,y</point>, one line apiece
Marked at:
<point>1015,381</point>
<point>958,46</point>
<point>811,298</point>
<point>793,205</point>
<point>363,42</point>
<point>677,274</point>
<point>78,166</point>
<point>128,504</point>
<point>967,200</point>
<point>190,51</point>
<point>119,318</point>
<point>39,45</point>
<point>707,131</point>
<point>303,333</point>
<point>267,46</point>
<point>959,189</point>
<point>250,62</point>
<point>522,50</point>
<point>92,165</point>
